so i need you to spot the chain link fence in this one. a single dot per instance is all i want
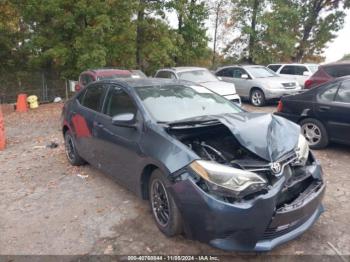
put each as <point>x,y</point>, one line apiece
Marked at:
<point>46,86</point>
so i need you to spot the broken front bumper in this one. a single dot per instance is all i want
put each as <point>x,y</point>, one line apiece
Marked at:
<point>249,225</point>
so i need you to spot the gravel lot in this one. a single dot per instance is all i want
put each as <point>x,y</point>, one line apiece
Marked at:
<point>49,207</point>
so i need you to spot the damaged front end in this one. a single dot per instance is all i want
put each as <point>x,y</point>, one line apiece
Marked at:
<point>247,191</point>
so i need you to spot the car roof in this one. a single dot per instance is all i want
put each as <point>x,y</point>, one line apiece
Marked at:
<point>183,69</point>
<point>295,64</point>
<point>142,82</point>
<point>107,71</point>
<point>345,62</point>
<point>243,66</point>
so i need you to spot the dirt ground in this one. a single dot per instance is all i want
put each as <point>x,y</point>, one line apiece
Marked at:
<point>49,207</point>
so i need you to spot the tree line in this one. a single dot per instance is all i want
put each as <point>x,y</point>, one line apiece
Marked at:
<point>67,36</point>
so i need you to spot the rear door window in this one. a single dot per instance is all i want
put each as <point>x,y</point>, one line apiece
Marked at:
<point>93,97</point>
<point>343,94</point>
<point>227,72</point>
<point>238,72</point>
<point>328,93</point>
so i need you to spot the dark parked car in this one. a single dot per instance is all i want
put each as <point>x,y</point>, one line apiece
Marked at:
<point>328,72</point>
<point>323,112</point>
<point>199,159</point>
<point>93,75</point>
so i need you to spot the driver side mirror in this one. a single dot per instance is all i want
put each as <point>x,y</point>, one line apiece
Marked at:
<point>244,76</point>
<point>124,120</point>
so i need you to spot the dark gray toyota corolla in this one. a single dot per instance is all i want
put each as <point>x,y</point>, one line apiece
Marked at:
<point>237,180</point>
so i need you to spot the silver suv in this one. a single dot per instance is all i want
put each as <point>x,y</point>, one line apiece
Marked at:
<point>257,83</point>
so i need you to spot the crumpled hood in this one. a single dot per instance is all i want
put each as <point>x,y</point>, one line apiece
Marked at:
<point>266,135</point>
<point>220,87</point>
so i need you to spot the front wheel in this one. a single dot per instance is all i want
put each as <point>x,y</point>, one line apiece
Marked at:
<point>165,212</point>
<point>315,133</point>
<point>257,97</point>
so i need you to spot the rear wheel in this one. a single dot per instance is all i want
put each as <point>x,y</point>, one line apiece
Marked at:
<point>315,133</point>
<point>71,151</point>
<point>257,97</point>
<point>165,212</point>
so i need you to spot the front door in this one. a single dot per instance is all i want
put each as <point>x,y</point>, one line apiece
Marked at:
<point>118,151</point>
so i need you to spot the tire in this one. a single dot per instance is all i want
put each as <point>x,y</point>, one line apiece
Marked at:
<point>257,98</point>
<point>315,133</point>
<point>162,204</point>
<point>71,152</point>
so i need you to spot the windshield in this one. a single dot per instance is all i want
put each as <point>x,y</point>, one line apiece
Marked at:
<point>261,72</point>
<point>111,77</point>
<point>197,76</point>
<point>177,102</point>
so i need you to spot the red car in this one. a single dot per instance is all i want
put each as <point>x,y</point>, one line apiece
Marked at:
<point>93,75</point>
<point>328,72</point>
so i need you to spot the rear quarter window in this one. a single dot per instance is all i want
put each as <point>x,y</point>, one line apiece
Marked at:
<point>274,67</point>
<point>337,70</point>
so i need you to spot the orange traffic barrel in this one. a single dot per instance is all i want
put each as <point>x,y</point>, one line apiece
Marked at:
<point>22,105</point>
<point>2,132</point>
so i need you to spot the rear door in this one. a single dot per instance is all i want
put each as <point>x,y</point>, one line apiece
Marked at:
<point>88,105</point>
<point>234,75</point>
<point>118,151</point>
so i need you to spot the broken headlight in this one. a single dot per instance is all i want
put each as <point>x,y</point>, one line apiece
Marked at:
<point>302,151</point>
<point>228,181</point>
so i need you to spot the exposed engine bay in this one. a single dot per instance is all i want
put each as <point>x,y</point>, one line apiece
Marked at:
<point>216,143</point>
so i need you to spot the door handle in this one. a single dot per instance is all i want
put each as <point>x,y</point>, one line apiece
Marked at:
<point>324,108</point>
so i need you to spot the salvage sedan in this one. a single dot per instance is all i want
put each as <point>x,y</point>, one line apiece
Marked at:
<point>236,180</point>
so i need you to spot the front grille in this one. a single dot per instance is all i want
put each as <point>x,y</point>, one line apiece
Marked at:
<point>290,199</point>
<point>275,232</point>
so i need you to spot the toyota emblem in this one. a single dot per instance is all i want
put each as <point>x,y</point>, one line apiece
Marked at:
<point>276,167</point>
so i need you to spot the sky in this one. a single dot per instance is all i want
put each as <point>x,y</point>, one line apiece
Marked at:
<point>334,51</point>
<point>341,45</point>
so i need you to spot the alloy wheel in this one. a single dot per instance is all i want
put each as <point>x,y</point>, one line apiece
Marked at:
<point>160,203</point>
<point>257,98</point>
<point>312,133</point>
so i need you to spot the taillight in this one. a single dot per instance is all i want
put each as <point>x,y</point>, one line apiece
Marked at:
<point>308,83</point>
<point>280,106</point>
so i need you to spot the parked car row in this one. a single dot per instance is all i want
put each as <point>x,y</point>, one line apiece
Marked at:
<point>320,122</point>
